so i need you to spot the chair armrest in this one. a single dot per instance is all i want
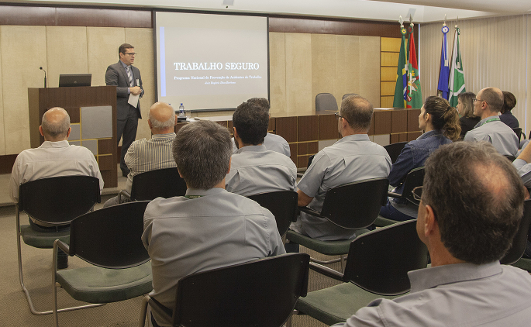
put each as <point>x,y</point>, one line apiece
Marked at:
<point>161,310</point>
<point>310,211</point>
<point>61,245</point>
<point>123,193</point>
<point>394,195</point>
<point>328,272</point>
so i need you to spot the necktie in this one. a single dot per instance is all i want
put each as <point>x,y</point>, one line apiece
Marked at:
<point>129,75</point>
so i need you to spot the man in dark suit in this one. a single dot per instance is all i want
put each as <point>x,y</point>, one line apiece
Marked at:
<point>128,83</point>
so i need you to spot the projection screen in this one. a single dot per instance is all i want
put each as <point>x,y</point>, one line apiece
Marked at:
<point>211,61</point>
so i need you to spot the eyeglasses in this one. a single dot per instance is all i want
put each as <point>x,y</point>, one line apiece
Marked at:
<point>130,53</point>
<point>417,193</point>
<point>476,99</point>
<point>339,116</point>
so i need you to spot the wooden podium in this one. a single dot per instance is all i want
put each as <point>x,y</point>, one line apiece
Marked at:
<point>92,113</point>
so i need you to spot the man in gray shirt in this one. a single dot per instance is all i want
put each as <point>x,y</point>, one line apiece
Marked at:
<point>254,168</point>
<point>470,209</point>
<point>353,158</point>
<point>272,142</point>
<point>487,104</point>
<point>208,227</point>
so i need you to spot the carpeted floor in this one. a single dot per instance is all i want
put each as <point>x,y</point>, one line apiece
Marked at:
<point>14,309</point>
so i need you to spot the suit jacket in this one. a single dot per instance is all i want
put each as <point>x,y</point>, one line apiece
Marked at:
<point>116,75</point>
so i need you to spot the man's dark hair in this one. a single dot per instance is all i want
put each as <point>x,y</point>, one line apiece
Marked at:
<point>261,102</point>
<point>357,111</point>
<point>251,122</point>
<point>123,48</point>
<point>202,152</point>
<point>477,198</point>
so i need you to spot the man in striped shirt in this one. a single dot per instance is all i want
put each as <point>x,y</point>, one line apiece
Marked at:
<point>154,153</point>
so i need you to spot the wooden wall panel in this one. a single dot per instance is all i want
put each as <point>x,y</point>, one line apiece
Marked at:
<point>387,88</point>
<point>386,101</point>
<point>277,73</point>
<point>389,59</point>
<point>390,44</point>
<point>347,74</point>
<point>299,97</point>
<point>369,69</point>
<point>324,63</point>
<point>308,128</point>
<point>20,69</point>
<point>388,74</point>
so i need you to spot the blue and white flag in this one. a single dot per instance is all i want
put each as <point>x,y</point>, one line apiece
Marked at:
<point>444,74</point>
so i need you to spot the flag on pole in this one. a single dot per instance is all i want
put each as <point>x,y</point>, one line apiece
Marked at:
<point>457,74</point>
<point>414,94</point>
<point>401,73</point>
<point>442,88</point>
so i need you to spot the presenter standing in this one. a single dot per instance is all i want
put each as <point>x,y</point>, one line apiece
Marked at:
<point>129,89</point>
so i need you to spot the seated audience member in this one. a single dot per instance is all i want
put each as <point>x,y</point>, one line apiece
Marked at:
<point>440,123</point>
<point>208,227</point>
<point>487,104</point>
<point>509,101</point>
<point>471,205</point>
<point>352,158</point>
<point>465,107</point>
<point>54,158</point>
<point>523,166</point>
<point>146,155</point>
<point>255,169</point>
<point>272,142</point>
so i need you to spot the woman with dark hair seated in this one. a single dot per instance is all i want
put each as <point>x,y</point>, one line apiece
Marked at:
<point>440,123</point>
<point>465,107</point>
<point>509,101</point>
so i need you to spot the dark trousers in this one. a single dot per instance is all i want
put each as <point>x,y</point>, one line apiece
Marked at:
<point>52,229</point>
<point>126,128</point>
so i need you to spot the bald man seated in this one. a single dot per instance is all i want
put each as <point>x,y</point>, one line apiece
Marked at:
<point>154,153</point>
<point>487,105</point>
<point>54,158</point>
<point>470,209</point>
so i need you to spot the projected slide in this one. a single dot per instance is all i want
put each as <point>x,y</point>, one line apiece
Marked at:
<point>208,61</point>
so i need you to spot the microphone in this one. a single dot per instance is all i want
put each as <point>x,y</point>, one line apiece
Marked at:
<point>44,76</point>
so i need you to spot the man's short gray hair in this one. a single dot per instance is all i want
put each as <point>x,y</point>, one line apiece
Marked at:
<point>202,152</point>
<point>57,129</point>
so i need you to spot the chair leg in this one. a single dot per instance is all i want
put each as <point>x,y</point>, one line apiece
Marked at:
<point>143,311</point>
<point>21,279</point>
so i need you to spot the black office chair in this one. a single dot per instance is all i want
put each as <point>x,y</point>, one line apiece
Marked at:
<point>394,150</point>
<point>413,179</point>
<point>325,101</point>
<point>519,134</point>
<point>55,201</point>
<point>377,266</point>
<point>282,204</point>
<point>260,293</point>
<point>149,185</point>
<point>520,239</point>
<point>351,206</point>
<point>110,240</point>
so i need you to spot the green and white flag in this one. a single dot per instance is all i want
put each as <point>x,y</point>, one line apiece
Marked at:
<point>399,101</point>
<point>457,74</point>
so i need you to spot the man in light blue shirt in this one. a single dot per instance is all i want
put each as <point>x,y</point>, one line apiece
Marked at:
<point>487,104</point>
<point>254,168</point>
<point>470,209</point>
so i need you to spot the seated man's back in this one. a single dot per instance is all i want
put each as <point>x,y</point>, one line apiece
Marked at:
<point>209,227</point>
<point>254,168</point>
<point>353,158</point>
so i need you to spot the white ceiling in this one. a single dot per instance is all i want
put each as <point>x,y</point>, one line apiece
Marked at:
<point>386,10</point>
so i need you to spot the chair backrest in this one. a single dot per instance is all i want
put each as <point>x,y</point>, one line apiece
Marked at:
<point>355,205</point>
<point>58,200</point>
<point>394,150</point>
<point>110,237</point>
<point>165,183</point>
<point>518,132</point>
<point>520,239</point>
<point>325,101</point>
<point>282,204</point>
<point>378,261</point>
<point>413,179</point>
<point>261,293</point>
<point>347,95</point>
